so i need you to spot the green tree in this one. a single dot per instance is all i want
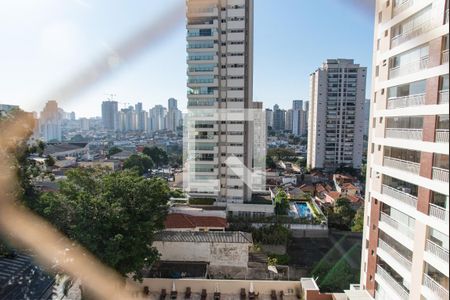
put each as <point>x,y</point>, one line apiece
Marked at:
<point>113,215</point>
<point>342,214</point>
<point>281,203</point>
<point>79,139</point>
<point>270,163</point>
<point>139,162</point>
<point>114,150</point>
<point>158,155</point>
<point>358,221</point>
<point>50,161</point>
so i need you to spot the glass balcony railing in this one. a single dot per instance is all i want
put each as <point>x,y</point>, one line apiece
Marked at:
<point>438,212</point>
<point>409,68</point>
<point>437,251</point>
<point>399,195</point>
<point>444,58</point>
<point>404,133</point>
<point>395,254</point>
<point>440,174</point>
<point>443,97</point>
<point>435,287</point>
<point>397,287</point>
<point>403,229</point>
<point>411,33</point>
<point>442,135</point>
<point>402,165</point>
<point>406,101</point>
<point>401,6</point>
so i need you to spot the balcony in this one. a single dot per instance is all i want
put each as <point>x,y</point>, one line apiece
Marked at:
<point>409,68</point>
<point>399,195</point>
<point>442,135</point>
<point>404,133</point>
<point>410,34</point>
<point>398,288</point>
<point>402,6</point>
<point>437,250</point>
<point>443,97</point>
<point>405,230</point>
<point>444,58</point>
<point>395,254</point>
<point>440,174</point>
<point>435,287</point>
<point>438,212</point>
<point>406,101</point>
<point>402,165</point>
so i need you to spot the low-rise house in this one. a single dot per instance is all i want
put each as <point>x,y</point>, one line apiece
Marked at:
<point>122,155</point>
<point>184,222</point>
<point>226,253</point>
<point>109,164</point>
<point>62,151</point>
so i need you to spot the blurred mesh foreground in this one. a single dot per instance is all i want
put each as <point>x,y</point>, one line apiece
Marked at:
<point>49,247</point>
<point>24,230</point>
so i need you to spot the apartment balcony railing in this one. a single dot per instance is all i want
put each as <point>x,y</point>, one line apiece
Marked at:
<point>443,97</point>
<point>442,135</point>
<point>409,68</point>
<point>401,292</point>
<point>399,195</point>
<point>406,101</point>
<point>438,212</point>
<point>402,6</point>
<point>440,174</point>
<point>404,133</point>
<point>405,230</point>
<point>395,254</point>
<point>435,287</point>
<point>444,58</point>
<point>401,164</point>
<point>437,250</point>
<point>410,34</point>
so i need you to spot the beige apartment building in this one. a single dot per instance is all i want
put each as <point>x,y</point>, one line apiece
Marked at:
<point>220,79</point>
<point>336,115</point>
<point>406,234</point>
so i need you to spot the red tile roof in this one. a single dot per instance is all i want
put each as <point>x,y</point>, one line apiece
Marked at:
<point>178,221</point>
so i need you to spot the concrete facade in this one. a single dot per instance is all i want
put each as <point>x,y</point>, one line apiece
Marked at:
<point>336,115</point>
<point>406,234</point>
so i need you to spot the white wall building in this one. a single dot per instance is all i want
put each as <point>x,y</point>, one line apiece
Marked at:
<point>336,115</point>
<point>406,233</point>
<point>220,77</point>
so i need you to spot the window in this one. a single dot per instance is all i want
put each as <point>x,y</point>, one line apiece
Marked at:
<point>380,17</point>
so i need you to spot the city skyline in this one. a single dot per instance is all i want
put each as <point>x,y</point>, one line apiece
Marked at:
<point>136,82</point>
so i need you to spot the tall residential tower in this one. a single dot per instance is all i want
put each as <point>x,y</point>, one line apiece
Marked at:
<point>406,232</point>
<point>220,78</point>
<point>336,115</point>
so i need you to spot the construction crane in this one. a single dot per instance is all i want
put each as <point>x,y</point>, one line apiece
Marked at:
<point>111,98</point>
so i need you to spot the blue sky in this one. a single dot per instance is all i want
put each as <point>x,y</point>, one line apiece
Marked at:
<point>46,42</point>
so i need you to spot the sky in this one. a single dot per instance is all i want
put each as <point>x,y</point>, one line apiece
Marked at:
<point>45,44</point>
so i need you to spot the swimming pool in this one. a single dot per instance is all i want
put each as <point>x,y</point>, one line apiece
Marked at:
<point>303,210</point>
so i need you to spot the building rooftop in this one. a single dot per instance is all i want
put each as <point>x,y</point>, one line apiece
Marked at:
<point>204,237</point>
<point>57,148</point>
<point>20,279</point>
<point>178,221</point>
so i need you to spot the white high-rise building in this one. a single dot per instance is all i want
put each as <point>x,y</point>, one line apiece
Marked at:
<point>336,115</point>
<point>220,77</point>
<point>269,117</point>
<point>50,126</point>
<point>157,118</point>
<point>174,115</point>
<point>298,118</point>
<point>406,223</point>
